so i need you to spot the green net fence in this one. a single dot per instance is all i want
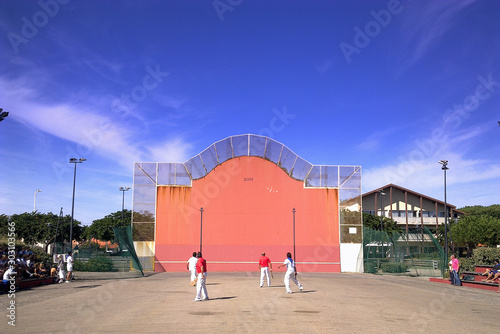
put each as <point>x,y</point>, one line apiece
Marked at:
<point>97,256</point>
<point>416,253</point>
<point>124,237</point>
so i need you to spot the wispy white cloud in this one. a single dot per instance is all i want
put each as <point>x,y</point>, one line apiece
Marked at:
<point>90,126</point>
<point>374,140</point>
<point>419,170</point>
<point>426,25</point>
<point>175,150</point>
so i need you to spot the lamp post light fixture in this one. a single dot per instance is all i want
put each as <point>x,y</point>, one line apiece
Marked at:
<point>123,190</point>
<point>73,161</point>
<point>444,167</point>
<point>3,114</point>
<point>34,203</point>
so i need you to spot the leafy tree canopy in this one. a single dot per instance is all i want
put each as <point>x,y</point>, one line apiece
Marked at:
<point>492,210</point>
<point>36,227</point>
<point>373,222</point>
<point>102,229</point>
<point>476,229</point>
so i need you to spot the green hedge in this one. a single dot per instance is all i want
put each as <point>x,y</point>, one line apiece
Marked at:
<point>370,268</point>
<point>394,267</point>
<point>98,264</point>
<point>485,255</point>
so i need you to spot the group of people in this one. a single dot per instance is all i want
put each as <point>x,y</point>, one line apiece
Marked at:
<point>62,275</point>
<point>198,269</point>
<point>493,274</point>
<point>25,266</point>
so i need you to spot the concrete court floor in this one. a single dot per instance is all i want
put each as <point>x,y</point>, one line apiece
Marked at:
<point>330,303</point>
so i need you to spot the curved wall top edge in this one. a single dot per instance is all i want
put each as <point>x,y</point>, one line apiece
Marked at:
<point>176,173</point>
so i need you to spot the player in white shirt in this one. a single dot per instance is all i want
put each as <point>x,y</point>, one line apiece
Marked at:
<point>69,263</point>
<point>191,266</point>
<point>291,273</point>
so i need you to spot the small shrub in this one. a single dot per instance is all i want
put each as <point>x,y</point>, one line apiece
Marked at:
<point>80,266</point>
<point>100,263</point>
<point>95,264</point>
<point>394,267</point>
<point>370,268</point>
<point>467,264</point>
<point>485,255</point>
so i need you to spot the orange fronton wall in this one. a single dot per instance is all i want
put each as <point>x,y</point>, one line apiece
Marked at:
<point>247,203</point>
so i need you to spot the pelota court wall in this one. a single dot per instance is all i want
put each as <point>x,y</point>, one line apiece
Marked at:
<point>247,209</point>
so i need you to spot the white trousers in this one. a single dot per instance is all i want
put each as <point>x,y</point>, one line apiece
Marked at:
<point>264,271</point>
<point>193,274</point>
<point>62,274</point>
<point>201,289</point>
<point>291,275</point>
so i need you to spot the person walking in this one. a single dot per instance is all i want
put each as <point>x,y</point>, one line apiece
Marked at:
<point>291,273</point>
<point>191,266</point>
<point>60,269</point>
<point>69,263</point>
<point>455,267</point>
<point>201,269</point>
<point>264,267</point>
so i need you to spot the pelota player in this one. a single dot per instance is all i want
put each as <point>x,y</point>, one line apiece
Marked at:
<point>291,273</point>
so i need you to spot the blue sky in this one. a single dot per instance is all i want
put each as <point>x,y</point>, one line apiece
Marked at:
<point>393,86</point>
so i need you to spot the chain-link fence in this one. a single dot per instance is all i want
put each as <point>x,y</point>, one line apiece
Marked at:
<point>416,253</point>
<point>117,256</point>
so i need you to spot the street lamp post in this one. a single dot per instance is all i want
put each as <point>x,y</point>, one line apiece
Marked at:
<point>201,227</point>
<point>382,193</point>
<point>73,161</point>
<point>294,257</point>
<point>34,204</point>
<point>123,190</point>
<point>444,167</point>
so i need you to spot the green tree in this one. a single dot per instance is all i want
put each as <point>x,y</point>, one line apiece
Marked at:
<point>37,227</point>
<point>102,229</point>
<point>373,222</point>
<point>476,210</point>
<point>476,229</point>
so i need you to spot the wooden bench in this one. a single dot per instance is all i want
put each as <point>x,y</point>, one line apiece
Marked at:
<point>32,282</point>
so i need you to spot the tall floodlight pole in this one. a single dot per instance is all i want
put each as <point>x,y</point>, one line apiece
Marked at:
<point>444,167</point>
<point>34,203</point>
<point>123,190</point>
<point>201,228</point>
<point>294,257</point>
<point>73,161</point>
<point>382,193</point>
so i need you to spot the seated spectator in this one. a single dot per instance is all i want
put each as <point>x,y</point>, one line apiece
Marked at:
<point>42,271</point>
<point>53,270</point>
<point>496,275</point>
<point>492,272</point>
<point>8,275</point>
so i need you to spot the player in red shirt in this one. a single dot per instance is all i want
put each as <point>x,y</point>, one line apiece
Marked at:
<point>264,266</point>
<point>201,270</point>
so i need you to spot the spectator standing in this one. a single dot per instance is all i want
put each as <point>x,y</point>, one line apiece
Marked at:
<point>455,268</point>
<point>60,268</point>
<point>69,263</point>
